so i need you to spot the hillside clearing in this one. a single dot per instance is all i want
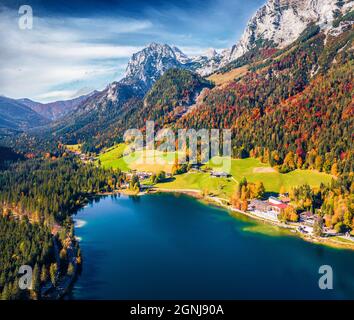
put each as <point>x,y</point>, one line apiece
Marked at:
<point>224,78</point>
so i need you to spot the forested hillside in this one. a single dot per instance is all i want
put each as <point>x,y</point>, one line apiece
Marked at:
<point>169,98</point>
<point>49,190</point>
<point>37,197</point>
<point>171,95</point>
<point>296,105</point>
<point>23,243</point>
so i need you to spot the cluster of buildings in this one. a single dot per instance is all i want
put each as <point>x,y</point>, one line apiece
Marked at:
<point>85,158</point>
<point>142,175</point>
<point>269,209</point>
<point>308,218</point>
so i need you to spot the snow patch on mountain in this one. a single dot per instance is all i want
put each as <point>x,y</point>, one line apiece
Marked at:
<point>206,63</point>
<point>111,92</point>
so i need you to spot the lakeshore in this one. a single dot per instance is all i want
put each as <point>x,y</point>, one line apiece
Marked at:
<point>215,201</point>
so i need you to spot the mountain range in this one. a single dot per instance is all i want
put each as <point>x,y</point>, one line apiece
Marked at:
<point>277,39</point>
<point>57,109</point>
<point>280,22</point>
<point>277,24</point>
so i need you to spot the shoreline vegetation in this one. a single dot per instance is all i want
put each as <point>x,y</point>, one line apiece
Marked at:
<point>62,186</point>
<point>64,279</point>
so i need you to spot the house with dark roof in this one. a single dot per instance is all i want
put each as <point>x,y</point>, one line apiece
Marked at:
<point>219,174</point>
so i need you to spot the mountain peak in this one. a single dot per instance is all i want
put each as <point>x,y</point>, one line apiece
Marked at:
<point>156,45</point>
<point>147,65</point>
<point>278,23</point>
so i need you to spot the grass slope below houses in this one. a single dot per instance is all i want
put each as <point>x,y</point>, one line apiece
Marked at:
<point>221,187</point>
<point>113,158</point>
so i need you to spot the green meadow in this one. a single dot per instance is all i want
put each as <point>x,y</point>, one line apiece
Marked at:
<point>118,157</point>
<point>221,187</point>
<point>252,169</point>
<point>113,158</point>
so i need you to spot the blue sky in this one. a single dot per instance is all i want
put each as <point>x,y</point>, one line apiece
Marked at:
<point>77,46</point>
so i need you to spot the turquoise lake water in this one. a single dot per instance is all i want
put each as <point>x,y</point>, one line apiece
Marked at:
<point>166,246</point>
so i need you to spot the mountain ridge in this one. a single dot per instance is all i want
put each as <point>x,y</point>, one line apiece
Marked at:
<point>56,109</point>
<point>17,117</point>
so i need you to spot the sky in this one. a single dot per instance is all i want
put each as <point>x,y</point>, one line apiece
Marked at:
<point>77,46</point>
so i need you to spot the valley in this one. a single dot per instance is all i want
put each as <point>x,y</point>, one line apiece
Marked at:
<point>283,94</point>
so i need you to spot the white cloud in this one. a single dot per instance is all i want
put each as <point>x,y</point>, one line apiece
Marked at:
<point>57,95</point>
<point>59,52</point>
<point>63,54</point>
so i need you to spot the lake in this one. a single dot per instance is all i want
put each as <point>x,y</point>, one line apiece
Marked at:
<point>166,246</point>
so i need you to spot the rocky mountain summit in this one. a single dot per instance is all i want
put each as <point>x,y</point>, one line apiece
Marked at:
<point>280,22</point>
<point>148,65</point>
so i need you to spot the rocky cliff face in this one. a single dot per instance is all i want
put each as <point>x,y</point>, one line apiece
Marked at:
<point>280,22</point>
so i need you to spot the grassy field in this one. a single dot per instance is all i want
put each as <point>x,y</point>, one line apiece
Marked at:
<point>224,78</point>
<point>252,169</point>
<point>222,187</point>
<point>113,158</point>
<point>152,161</point>
<point>139,160</point>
